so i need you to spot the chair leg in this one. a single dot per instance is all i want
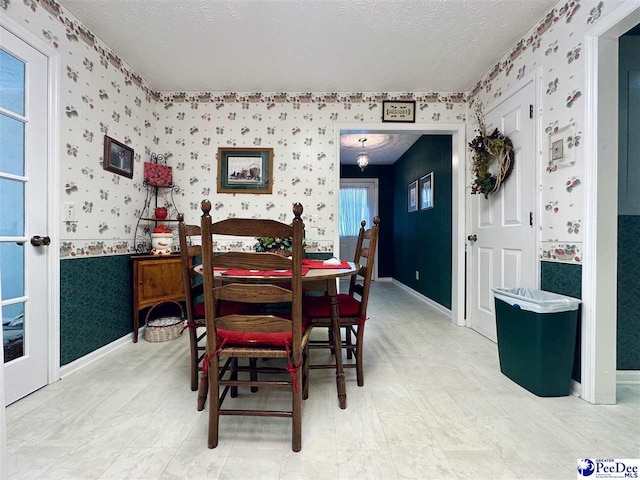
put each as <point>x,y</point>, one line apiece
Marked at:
<point>202,393</point>
<point>193,342</point>
<point>234,376</point>
<point>359,348</point>
<point>305,373</point>
<point>214,403</point>
<point>296,415</point>
<point>348,341</point>
<point>330,332</point>
<point>253,374</point>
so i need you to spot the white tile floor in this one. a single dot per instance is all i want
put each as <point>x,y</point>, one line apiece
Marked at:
<point>434,405</point>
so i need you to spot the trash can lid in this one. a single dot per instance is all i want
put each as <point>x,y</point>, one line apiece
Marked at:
<point>538,301</point>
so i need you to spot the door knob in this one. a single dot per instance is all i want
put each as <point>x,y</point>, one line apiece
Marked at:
<point>38,241</point>
<point>472,238</point>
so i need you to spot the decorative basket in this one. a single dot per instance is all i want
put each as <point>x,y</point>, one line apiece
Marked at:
<point>166,327</point>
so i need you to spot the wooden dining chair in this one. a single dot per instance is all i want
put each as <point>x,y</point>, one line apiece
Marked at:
<point>191,254</point>
<point>352,307</point>
<point>259,335</point>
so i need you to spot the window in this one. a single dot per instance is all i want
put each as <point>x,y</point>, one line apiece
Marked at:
<point>354,208</point>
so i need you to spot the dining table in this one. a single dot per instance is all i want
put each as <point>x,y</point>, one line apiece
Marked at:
<point>320,276</point>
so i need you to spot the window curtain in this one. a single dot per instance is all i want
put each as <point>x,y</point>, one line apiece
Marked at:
<point>353,209</point>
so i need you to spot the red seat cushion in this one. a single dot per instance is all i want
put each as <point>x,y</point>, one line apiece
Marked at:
<point>226,308</point>
<point>271,339</point>
<point>320,307</point>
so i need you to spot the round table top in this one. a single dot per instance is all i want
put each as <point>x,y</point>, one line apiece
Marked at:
<point>313,274</point>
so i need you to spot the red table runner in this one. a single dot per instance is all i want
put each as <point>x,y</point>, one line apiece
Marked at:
<point>318,264</point>
<point>262,273</point>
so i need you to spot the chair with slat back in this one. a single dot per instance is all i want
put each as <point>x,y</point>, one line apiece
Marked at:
<point>263,335</point>
<point>353,312</point>
<point>190,252</point>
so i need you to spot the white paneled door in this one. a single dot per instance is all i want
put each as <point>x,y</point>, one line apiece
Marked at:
<point>503,255</point>
<point>23,216</point>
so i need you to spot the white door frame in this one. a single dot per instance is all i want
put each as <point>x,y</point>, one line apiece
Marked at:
<point>53,215</point>
<point>458,214</point>
<point>535,77</point>
<point>600,248</point>
<point>376,191</point>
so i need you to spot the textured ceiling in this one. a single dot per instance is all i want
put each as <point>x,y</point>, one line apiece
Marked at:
<point>384,148</point>
<point>310,45</point>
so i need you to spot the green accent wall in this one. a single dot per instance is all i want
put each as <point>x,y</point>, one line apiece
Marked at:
<point>95,304</point>
<point>384,174</point>
<point>422,239</point>
<point>565,279</point>
<point>628,332</point>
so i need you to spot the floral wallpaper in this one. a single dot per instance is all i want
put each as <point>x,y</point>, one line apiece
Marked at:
<point>555,45</point>
<point>300,127</point>
<point>100,95</point>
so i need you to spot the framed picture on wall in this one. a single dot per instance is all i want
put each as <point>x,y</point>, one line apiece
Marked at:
<point>118,158</point>
<point>426,192</point>
<point>399,111</point>
<point>245,170</point>
<point>412,199</point>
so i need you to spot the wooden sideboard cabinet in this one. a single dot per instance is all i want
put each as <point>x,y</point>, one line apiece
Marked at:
<point>155,278</point>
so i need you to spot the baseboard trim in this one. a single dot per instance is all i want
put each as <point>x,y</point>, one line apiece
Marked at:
<point>427,300</point>
<point>628,377</point>
<point>576,388</point>
<point>384,279</point>
<point>89,358</point>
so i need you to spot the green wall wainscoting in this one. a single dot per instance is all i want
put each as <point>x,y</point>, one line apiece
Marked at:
<point>422,239</point>
<point>95,304</point>
<point>384,174</point>
<point>565,279</point>
<point>628,332</point>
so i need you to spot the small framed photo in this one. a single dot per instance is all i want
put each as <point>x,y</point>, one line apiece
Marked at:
<point>412,199</point>
<point>245,170</point>
<point>399,111</point>
<point>426,192</point>
<point>118,158</point>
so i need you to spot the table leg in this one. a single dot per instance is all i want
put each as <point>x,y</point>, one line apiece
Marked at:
<point>136,323</point>
<point>337,343</point>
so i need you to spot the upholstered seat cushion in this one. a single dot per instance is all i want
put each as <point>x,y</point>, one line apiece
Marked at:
<point>226,308</point>
<point>271,339</point>
<point>317,307</point>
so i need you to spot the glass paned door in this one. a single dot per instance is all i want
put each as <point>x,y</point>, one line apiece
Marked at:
<point>23,214</point>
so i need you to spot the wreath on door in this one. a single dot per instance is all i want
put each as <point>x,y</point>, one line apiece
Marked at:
<point>491,157</point>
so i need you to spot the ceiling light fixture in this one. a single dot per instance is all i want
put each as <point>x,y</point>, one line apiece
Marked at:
<point>363,157</point>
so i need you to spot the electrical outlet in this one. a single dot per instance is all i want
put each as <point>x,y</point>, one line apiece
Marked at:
<point>69,212</point>
<point>417,275</point>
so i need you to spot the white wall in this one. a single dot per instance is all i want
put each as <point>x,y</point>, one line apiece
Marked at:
<point>555,45</point>
<point>100,95</point>
<point>301,130</point>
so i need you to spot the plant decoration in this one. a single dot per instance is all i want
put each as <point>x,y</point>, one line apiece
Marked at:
<point>275,245</point>
<point>491,157</point>
<point>270,244</point>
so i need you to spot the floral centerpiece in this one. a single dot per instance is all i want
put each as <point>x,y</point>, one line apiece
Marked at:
<point>279,245</point>
<point>488,149</point>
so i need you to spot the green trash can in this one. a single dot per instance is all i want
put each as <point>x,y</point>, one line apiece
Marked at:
<point>536,338</point>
